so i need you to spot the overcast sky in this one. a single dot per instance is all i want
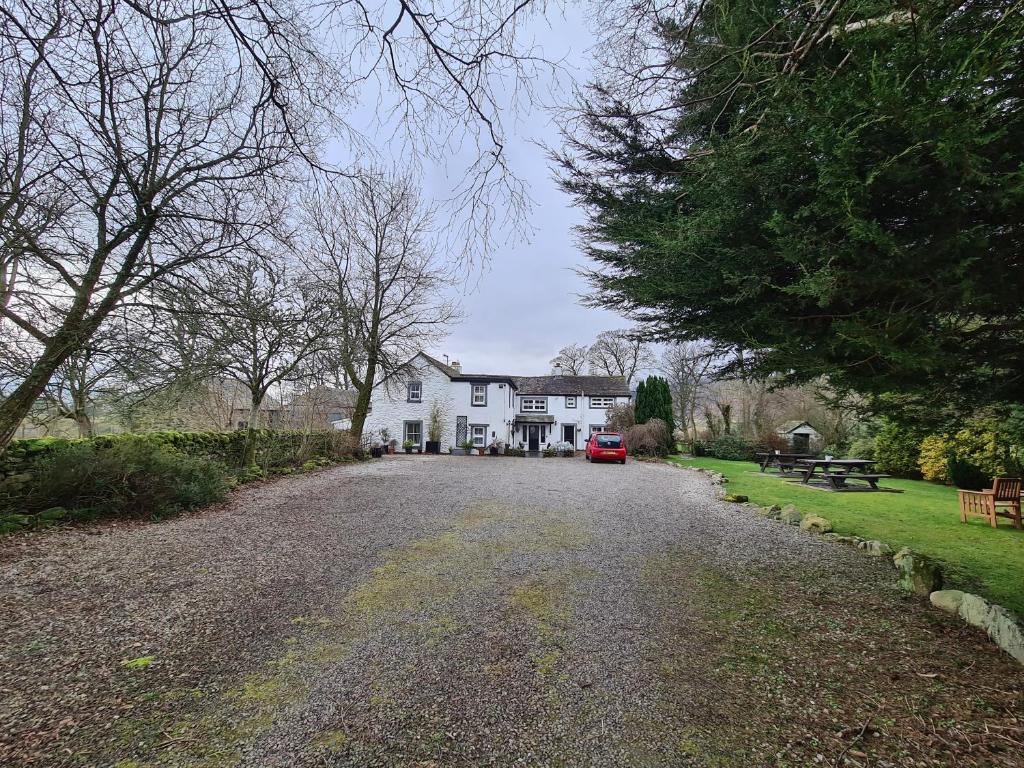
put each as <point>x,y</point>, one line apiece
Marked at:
<point>521,306</point>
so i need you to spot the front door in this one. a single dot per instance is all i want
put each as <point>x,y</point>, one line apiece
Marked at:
<point>569,434</point>
<point>533,437</point>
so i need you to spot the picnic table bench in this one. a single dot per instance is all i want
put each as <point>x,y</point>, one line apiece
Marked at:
<point>786,462</point>
<point>836,473</point>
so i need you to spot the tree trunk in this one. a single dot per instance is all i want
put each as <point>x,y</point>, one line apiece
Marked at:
<point>85,428</point>
<point>17,405</point>
<point>363,400</point>
<point>249,454</point>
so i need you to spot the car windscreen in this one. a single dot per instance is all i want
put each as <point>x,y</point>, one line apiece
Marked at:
<point>609,441</point>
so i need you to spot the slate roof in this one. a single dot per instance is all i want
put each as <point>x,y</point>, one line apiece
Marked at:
<point>789,426</point>
<point>602,386</point>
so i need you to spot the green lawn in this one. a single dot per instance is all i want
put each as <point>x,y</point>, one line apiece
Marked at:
<point>924,517</point>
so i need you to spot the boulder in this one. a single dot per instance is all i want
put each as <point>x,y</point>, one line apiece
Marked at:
<point>789,515</point>
<point>833,537</point>
<point>1002,627</point>
<point>918,574</point>
<point>1006,632</point>
<point>947,600</point>
<point>875,548</point>
<point>770,512</point>
<point>815,524</point>
<point>974,610</point>
<point>735,498</point>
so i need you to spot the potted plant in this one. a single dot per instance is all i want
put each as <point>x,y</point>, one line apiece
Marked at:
<point>495,447</point>
<point>385,439</point>
<point>467,446</point>
<point>407,446</point>
<point>435,428</point>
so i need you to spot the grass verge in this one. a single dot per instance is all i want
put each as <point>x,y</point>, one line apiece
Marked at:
<point>978,558</point>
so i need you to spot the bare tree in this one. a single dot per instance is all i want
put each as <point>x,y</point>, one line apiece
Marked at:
<point>140,138</point>
<point>264,321</point>
<point>619,353</point>
<point>144,137</point>
<point>373,255</point>
<point>689,368</point>
<point>572,360</point>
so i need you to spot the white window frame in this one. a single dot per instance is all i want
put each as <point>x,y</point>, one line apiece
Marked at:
<point>570,401</point>
<point>405,431</point>
<point>596,428</point>
<point>542,401</point>
<point>601,401</point>
<point>473,393</point>
<point>483,435</point>
<point>419,392</point>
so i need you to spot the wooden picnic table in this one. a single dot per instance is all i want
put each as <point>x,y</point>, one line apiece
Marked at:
<point>784,461</point>
<point>837,472</point>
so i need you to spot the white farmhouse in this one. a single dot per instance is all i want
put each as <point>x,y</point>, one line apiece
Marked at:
<point>528,411</point>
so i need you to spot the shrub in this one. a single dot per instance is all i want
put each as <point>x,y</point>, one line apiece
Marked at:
<point>976,448</point>
<point>619,418</point>
<point>126,478</point>
<point>650,439</point>
<point>966,475</point>
<point>773,441</point>
<point>732,448</point>
<point>862,448</point>
<point>933,458</point>
<point>897,449</point>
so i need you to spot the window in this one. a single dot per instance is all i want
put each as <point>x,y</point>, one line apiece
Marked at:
<point>479,435</point>
<point>413,430</point>
<point>570,401</point>
<point>602,402</point>
<point>479,394</point>
<point>596,428</point>
<point>533,404</point>
<point>415,392</point>
<point>608,441</point>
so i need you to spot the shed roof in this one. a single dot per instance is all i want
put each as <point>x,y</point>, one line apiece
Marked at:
<point>790,426</point>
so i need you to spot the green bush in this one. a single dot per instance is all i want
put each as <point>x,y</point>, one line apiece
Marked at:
<point>731,448</point>
<point>966,475</point>
<point>898,450</point>
<point>125,478</point>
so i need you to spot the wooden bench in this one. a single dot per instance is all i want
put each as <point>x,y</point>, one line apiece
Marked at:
<point>838,479</point>
<point>1004,493</point>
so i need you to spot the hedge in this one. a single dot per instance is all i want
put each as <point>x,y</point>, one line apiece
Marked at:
<point>146,475</point>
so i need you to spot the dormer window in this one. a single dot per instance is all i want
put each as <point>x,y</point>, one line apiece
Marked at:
<point>415,392</point>
<point>570,401</point>
<point>479,394</point>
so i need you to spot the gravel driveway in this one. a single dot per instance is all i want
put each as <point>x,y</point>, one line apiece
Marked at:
<point>472,611</point>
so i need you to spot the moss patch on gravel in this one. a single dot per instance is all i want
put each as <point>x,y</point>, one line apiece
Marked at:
<point>763,667</point>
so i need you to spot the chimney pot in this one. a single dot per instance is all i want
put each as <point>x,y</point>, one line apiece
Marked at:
<point>457,366</point>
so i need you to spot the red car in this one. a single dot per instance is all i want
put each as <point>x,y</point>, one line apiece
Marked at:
<point>606,446</point>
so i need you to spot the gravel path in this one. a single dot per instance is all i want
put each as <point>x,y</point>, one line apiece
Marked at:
<point>452,611</point>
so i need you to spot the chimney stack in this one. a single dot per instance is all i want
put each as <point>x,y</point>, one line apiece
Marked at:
<point>457,366</point>
<point>558,369</point>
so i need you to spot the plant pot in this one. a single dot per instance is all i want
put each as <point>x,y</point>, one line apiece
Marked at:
<point>433,446</point>
<point>408,450</point>
<point>494,451</point>
<point>458,452</point>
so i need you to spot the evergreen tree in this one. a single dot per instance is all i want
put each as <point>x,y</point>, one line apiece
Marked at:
<point>641,406</point>
<point>843,193</point>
